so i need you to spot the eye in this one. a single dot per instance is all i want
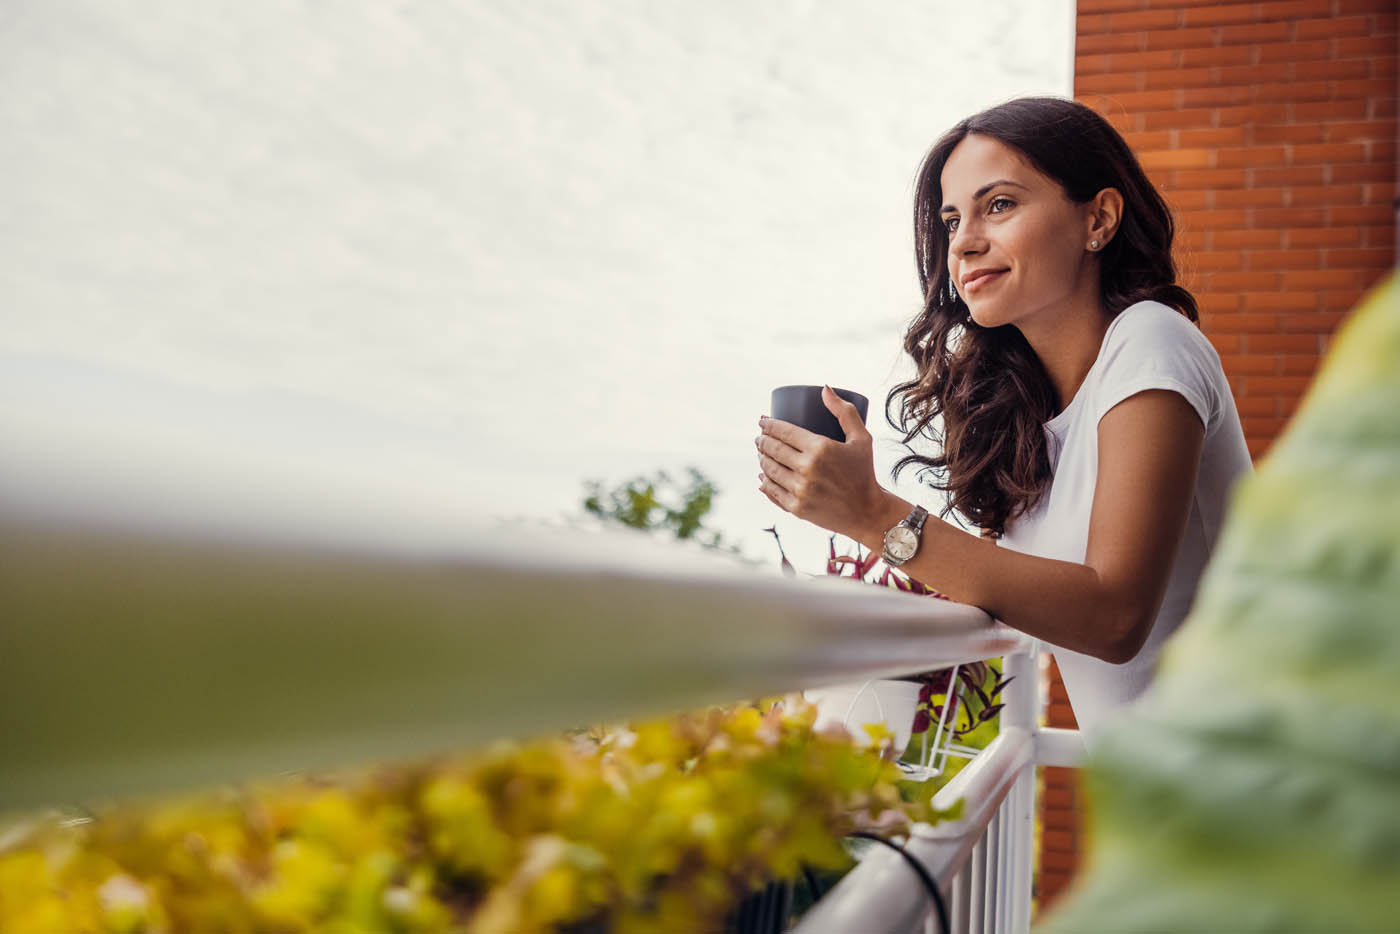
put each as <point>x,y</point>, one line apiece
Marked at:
<point>1006,201</point>
<point>951,224</point>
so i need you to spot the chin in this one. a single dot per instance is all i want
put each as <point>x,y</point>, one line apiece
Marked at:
<point>986,317</point>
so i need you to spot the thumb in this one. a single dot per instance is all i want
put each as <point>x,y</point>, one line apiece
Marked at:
<point>846,413</point>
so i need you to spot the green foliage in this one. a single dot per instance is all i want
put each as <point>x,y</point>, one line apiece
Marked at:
<point>1257,787</point>
<point>660,503</point>
<point>657,826</point>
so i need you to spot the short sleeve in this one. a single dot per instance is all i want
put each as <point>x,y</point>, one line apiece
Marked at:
<point>1154,346</point>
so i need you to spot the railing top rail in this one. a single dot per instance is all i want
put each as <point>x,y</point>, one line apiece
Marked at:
<point>152,644</point>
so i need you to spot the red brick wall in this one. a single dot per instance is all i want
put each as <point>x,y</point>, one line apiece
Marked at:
<point>1270,128</point>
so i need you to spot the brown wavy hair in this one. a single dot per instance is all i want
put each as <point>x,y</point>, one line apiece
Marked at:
<point>988,385</point>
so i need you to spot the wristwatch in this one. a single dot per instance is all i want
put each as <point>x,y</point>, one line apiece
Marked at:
<point>903,540</point>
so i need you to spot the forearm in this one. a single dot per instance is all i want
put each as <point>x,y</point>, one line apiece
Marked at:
<point>1059,601</point>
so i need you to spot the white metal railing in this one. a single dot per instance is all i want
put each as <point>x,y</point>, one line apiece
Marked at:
<point>982,861</point>
<point>175,615</point>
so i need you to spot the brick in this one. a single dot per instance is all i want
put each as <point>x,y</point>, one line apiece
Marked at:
<point>1247,323</point>
<point>1225,343</point>
<point>1251,156</point>
<point>1221,302</point>
<point>1206,178</point>
<point>1179,38</point>
<point>1265,384</point>
<point>1285,259</point>
<point>1251,197</point>
<point>1321,236</point>
<point>1145,19</point>
<point>1174,158</point>
<point>1380,108</point>
<point>1255,32</point>
<point>1309,322</point>
<point>1254,113</point>
<point>1246,281</point>
<point>1365,47</point>
<point>1059,860</point>
<point>1289,217</point>
<point>1188,200</point>
<point>1281,343</point>
<point>1185,78</point>
<point>1326,194</point>
<point>1376,258</point>
<point>1286,9</point>
<point>1330,110</point>
<point>1258,447</point>
<point>1344,69</point>
<point>1341,301</point>
<point>1311,153</point>
<point>1383,236</point>
<point>1358,130</point>
<point>1239,364</point>
<point>1057,798</point>
<point>1216,15</point>
<point>1378,191</point>
<point>1332,27</point>
<point>1282,177</point>
<point>1299,364</point>
<point>1281,301</point>
<point>1145,61</point>
<point>1220,95</point>
<point>1109,42</point>
<point>1149,139</point>
<point>1245,239</point>
<point>1363,87</point>
<point>1257,405</point>
<point>1363,172</point>
<point>1216,260</point>
<point>1090,24</point>
<point>1288,133</point>
<point>1361,214</point>
<point>1263,427</point>
<point>1057,819</point>
<point>1295,51</point>
<point>1344,278</point>
<point>1144,100</point>
<point>1179,119</point>
<point>1105,6</point>
<point>1222,55</point>
<point>1380,150</point>
<point>1344,7</point>
<point>1246,76</point>
<point>1061,840</point>
<point>1108,84</point>
<point>1297,91</point>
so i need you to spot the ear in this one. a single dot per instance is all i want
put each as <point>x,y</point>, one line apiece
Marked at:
<point>1105,212</point>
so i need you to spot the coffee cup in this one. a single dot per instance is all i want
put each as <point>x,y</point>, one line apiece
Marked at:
<point>803,406</point>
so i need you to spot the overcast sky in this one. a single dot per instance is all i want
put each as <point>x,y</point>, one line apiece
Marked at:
<point>496,249</point>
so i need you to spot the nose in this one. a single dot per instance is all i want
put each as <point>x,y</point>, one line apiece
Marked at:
<point>966,240</point>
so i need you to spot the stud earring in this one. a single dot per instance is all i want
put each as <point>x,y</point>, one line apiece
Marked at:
<point>1093,244</point>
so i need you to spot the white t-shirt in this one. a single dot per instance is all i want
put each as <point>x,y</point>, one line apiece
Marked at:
<point>1147,346</point>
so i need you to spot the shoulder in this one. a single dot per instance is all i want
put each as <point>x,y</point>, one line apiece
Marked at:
<point>1152,319</point>
<point>1153,346</point>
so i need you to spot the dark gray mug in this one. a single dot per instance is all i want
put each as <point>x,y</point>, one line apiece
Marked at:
<point>803,405</point>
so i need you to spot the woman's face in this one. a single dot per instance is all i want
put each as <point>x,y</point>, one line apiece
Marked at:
<point>1004,216</point>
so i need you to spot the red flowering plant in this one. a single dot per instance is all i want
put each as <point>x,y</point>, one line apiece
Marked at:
<point>976,679</point>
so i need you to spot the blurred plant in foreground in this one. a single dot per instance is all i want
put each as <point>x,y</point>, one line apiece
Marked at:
<point>657,826</point>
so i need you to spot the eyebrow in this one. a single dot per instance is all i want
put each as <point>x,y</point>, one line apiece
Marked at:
<point>949,209</point>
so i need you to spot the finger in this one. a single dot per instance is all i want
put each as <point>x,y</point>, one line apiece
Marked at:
<point>779,450</point>
<point>770,489</point>
<point>788,479</point>
<point>794,436</point>
<point>846,413</point>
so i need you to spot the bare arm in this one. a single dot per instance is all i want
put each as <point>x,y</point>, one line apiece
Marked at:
<point>1149,449</point>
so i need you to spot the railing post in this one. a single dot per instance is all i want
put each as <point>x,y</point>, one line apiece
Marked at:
<point>1022,696</point>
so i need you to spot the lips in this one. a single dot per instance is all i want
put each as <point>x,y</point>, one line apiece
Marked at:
<point>980,280</point>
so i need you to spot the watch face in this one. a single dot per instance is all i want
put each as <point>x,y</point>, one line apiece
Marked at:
<point>902,542</point>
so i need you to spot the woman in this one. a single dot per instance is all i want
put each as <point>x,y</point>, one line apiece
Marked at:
<point>1088,428</point>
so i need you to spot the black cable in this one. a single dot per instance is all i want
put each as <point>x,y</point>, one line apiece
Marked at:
<point>938,906</point>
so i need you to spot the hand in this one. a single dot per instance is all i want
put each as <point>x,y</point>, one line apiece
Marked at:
<point>825,482</point>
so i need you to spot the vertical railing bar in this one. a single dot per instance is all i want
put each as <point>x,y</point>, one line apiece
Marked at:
<point>978,864</point>
<point>1008,859</point>
<point>989,894</point>
<point>962,884</point>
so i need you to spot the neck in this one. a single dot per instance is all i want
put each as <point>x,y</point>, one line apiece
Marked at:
<point>1067,341</point>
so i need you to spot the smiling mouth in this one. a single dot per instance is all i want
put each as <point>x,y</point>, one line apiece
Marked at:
<point>982,280</point>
